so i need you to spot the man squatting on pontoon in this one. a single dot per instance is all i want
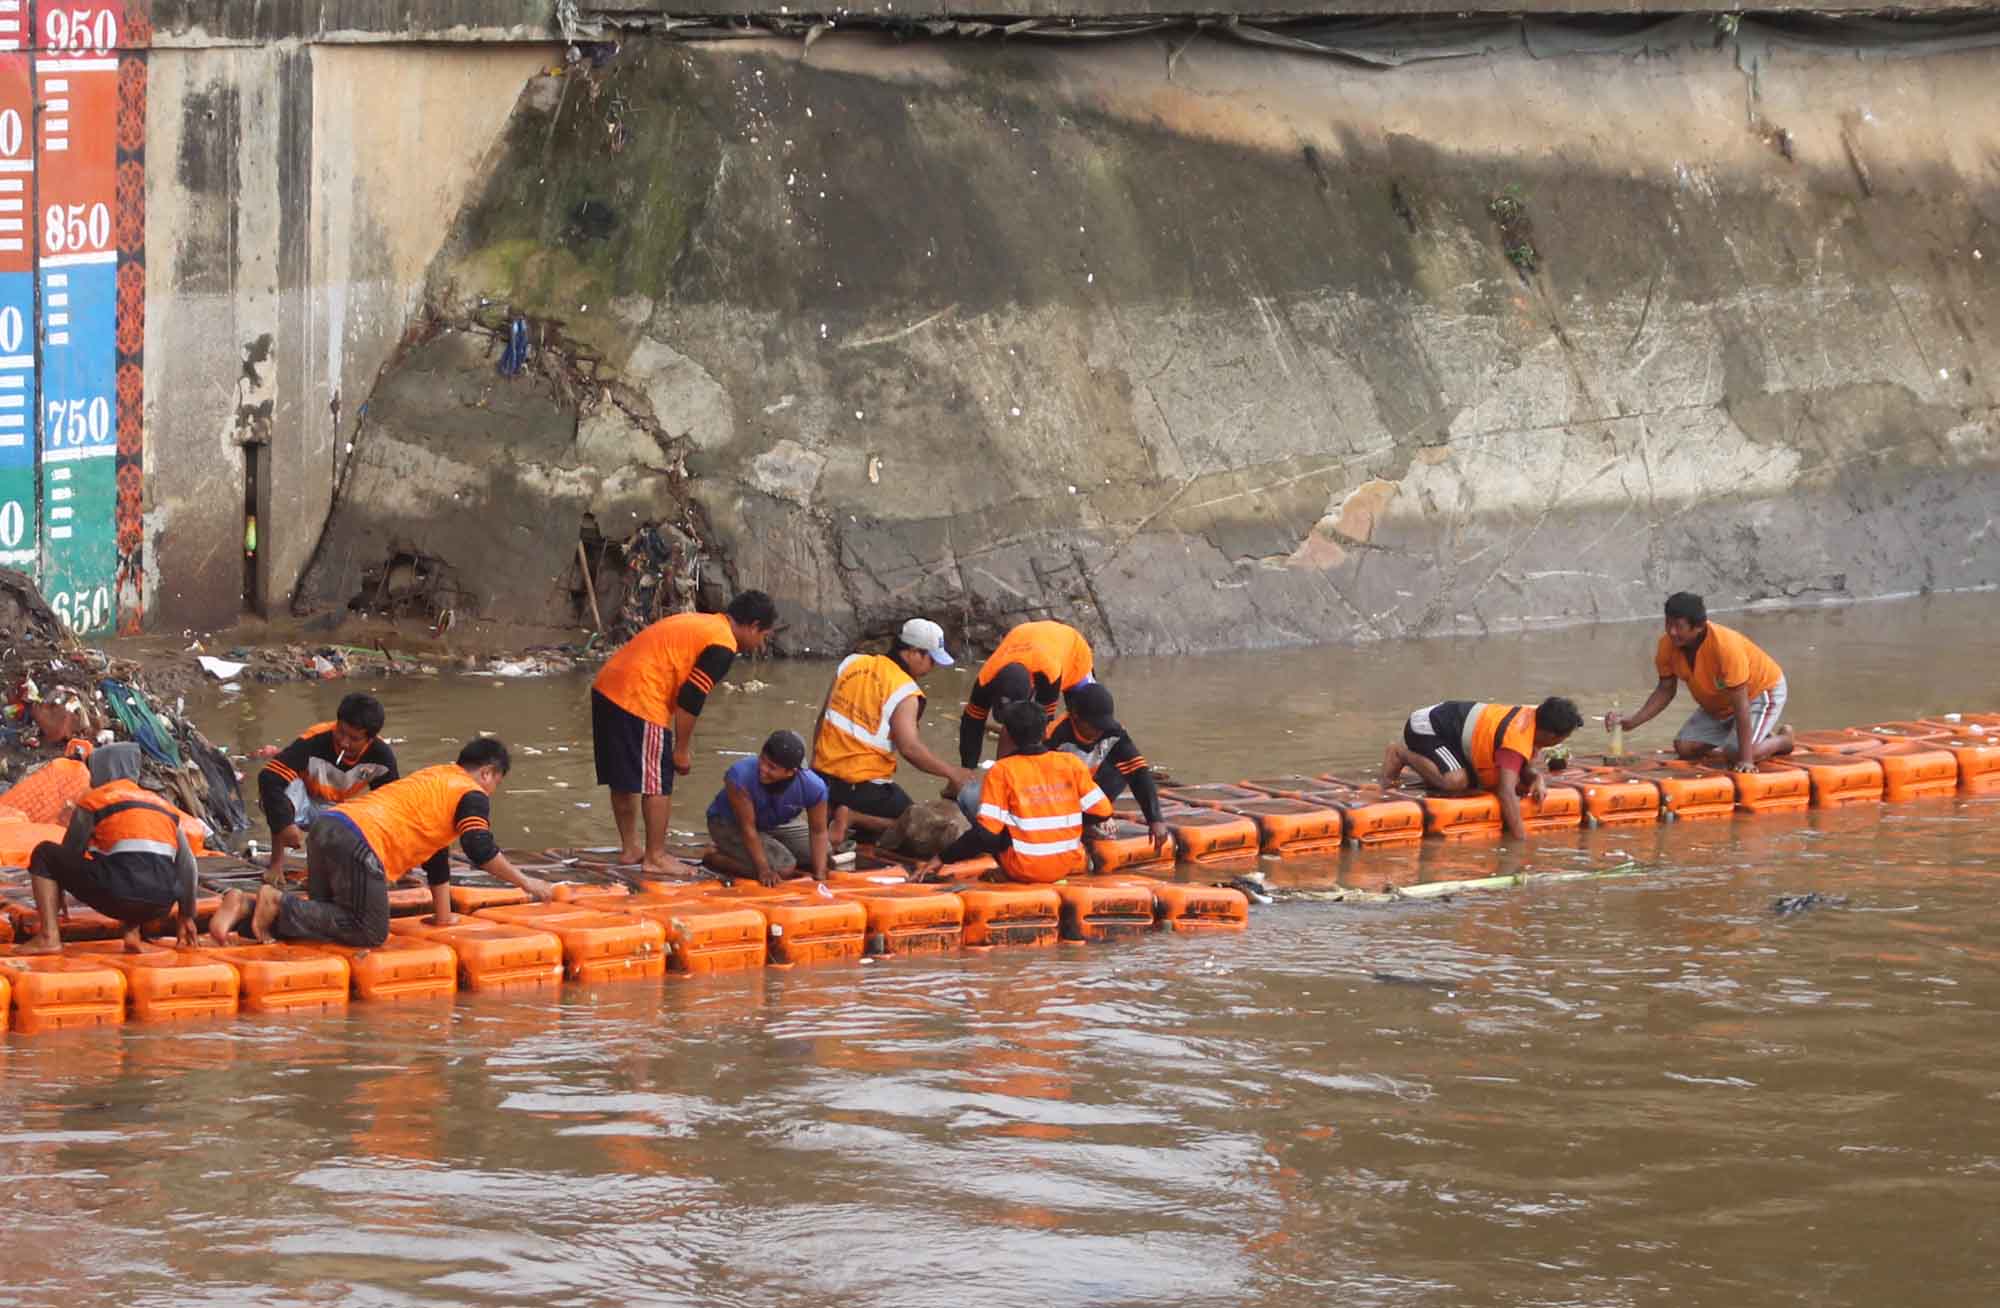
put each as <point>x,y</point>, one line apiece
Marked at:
<point>1050,664</point>
<point>770,815</point>
<point>329,764</point>
<point>125,855</point>
<point>869,717</point>
<point>1459,745</point>
<point>356,850</point>
<point>1739,690</point>
<point>1033,804</point>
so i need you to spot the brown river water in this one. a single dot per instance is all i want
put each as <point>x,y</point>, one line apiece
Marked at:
<point>1641,1090</point>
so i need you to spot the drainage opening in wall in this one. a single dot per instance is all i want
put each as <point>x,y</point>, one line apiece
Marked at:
<point>253,591</point>
<point>412,583</point>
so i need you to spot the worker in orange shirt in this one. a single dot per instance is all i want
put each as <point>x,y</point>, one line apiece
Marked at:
<point>1033,804</point>
<point>126,856</point>
<point>643,707</point>
<point>1739,690</point>
<point>1039,661</point>
<point>1461,745</point>
<point>354,851</point>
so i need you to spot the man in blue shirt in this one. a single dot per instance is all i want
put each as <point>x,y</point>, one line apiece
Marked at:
<point>783,801</point>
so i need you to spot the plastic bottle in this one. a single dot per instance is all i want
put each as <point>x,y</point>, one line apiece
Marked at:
<point>1618,732</point>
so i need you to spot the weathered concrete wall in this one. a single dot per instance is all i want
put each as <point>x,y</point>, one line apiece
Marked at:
<point>296,198</point>
<point>1255,349</point>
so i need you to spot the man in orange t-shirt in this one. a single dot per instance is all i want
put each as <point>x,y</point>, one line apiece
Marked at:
<point>1739,690</point>
<point>643,707</point>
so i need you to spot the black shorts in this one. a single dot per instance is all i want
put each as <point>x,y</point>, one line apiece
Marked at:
<point>633,755</point>
<point>1444,744</point>
<point>134,888</point>
<point>877,799</point>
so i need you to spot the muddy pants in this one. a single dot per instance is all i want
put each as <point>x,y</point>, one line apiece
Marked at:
<point>347,897</point>
<point>785,846</point>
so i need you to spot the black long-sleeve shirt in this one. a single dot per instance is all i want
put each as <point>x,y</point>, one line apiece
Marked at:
<point>1115,762</point>
<point>330,778</point>
<point>473,820</point>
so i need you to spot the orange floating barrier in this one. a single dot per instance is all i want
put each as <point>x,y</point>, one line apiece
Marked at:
<point>1560,809</point>
<point>1688,792</point>
<point>1217,795</point>
<point>1612,797</point>
<point>470,899</point>
<point>597,946</point>
<point>1118,846</point>
<point>1011,915</point>
<point>1772,788</point>
<point>401,967</point>
<point>411,901</point>
<point>909,919</point>
<point>1292,827</point>
<point>1191,909</point>
<point>1959,724</point>
<point>18,839</point>
<point>167,985</point>
<point>492,955</point>
<point>1207,835</point>
<point>811,929</point>
<point>1906,730</point>
<point>1105,908</point>
<point>1371,815</point>
<point>1917,770</point>
<point>1471,816</point>
<point>1841,741</point>
<point>53,992</point>
<point>1839,779</point>
<point>595,892</point>
<point>706,936</point>
<point>285,978</point>
<point>1978,759</point>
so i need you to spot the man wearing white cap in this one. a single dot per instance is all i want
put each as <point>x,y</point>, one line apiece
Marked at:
<point>870,717</point>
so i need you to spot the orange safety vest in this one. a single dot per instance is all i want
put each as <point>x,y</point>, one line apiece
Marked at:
<point>131,820</point>
<point>1040,800</point>
<point>1054,651</point>
<point>645,677</point>
<point>853,744</point>
<point>407,821</point>
<point>1490,728</point>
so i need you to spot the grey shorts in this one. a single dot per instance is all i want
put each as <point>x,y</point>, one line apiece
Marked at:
<point>1720,733</point>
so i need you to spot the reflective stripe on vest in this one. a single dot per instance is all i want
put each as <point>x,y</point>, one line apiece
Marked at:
<point>132,826</point>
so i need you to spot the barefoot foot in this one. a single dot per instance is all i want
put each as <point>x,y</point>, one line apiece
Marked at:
<point>40,945</point>
<point>265,915</point>
<point>227,914</point>
<point>628,857</point>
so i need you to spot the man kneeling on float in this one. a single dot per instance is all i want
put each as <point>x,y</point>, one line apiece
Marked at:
<point>355,851</point>
<point>1460,745</point>
<point>1032,804</point>
<point>126,856</point>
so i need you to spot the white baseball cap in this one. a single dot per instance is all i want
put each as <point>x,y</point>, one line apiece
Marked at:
<point>928,636</point>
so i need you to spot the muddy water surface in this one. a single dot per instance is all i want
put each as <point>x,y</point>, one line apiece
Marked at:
<point>1632,1091</point>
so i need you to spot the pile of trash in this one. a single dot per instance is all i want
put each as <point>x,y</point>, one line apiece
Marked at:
<point>663,577</point>
<point>272,664</point>
<point>60,698</point>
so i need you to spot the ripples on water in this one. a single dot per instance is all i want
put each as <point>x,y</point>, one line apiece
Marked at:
<point>1634,1091</point>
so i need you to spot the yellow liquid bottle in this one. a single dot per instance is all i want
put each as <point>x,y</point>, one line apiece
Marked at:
<point>1618,732</point>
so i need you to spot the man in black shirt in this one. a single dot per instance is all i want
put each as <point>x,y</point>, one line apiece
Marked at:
<point>328,765</point>
<point>1093,733</point>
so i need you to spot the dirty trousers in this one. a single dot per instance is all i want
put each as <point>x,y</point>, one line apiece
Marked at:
<point>785,846</point>
<point>347,897</point>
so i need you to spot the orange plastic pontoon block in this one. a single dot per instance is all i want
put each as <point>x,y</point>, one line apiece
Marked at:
<point>1559,809</point>
<point>1612,797</point>
<point>1217,795</point>
<point>1978,759</point>
<point>53,992</point>
<point>597,946</point>
<point>1011,915</point>
<point>1689,792</point>
<point>1293,828</point>
<point>705,935</point>
<point>1206,835</point>
<point>1106,908</point>
<point>909,919</point>
<point>470,899</point>
<point>1840,779</point>
<point>1917,770</point>
<point>814,929</point>
<point>401,967</point>
<point>167,985</point>
<point>492,955</point>
<point>1119,846</point>
<point>285,978</point>
<point>1371,815</point>
<point>1471,816</point>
